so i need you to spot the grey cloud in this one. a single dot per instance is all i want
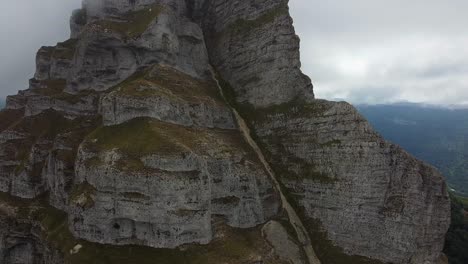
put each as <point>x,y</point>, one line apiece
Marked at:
<point>378,51</point>
<point>25,26</point>
<point>372,51</point>
<point>381,16</point>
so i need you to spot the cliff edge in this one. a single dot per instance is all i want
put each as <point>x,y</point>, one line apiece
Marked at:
<point>183,131</point>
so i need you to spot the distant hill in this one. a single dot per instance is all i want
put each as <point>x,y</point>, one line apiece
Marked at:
<point>2,102</point>
<point>438,136</point>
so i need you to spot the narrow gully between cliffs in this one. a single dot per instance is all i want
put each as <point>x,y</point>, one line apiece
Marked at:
<point>294,219</point>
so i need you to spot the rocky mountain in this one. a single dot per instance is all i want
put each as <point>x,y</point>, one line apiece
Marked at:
<point>436,135</point>
<point>183,131</point>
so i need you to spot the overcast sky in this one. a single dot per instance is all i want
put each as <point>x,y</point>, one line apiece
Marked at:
<point>363,51</point>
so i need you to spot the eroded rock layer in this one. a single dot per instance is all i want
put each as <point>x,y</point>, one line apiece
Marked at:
<point>124,150</point>
<point>354,190</point>
<point>254,47</point>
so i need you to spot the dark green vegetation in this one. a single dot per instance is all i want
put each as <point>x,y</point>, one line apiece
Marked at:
<point>54,89</point>
<point>163,81</point>
<point>83,195</point>
<point>237,245</point>
<point>141,137</point>
<point>464,200</point>
<point>326,251</point>
<point>304,170</point>
<point>435,135</point>
<point>243,25</point>
<point>456,243</point>
<point>45,126</point>
<point>133,24</point>
<point>65,50</point>
<point>9,117</point>
<point>81,17</point>
<point>295,109</point>
<point>144,136</point>
<point>62,51</point>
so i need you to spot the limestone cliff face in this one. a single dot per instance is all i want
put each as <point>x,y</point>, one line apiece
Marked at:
<point>254,47</point>
<point>365,195</point>
<point>127,147</point>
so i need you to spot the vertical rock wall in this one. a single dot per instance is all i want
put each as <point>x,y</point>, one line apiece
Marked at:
<point>254,47</point>
<point>125,130</point>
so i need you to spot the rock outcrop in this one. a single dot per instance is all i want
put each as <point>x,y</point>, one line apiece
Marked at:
<point>128,147</point>
<point>364,195</point>
<point>255,49</point>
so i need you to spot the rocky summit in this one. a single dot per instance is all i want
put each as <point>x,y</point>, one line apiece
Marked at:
<point>183,131</point>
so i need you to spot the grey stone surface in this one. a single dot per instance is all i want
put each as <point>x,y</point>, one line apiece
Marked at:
<point>110,50</point>
<point>283,243</point>
<point>172,199</point>
<point>170,96</point>
<point>20,242</point>
<point>168,200</point>
<point>371,197</point>
<point>124,128</point>
<point>100,9</point>
<point>117,109</point>
<point>254,47</point>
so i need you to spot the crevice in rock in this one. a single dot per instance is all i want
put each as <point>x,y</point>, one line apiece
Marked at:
<point>296,222</point>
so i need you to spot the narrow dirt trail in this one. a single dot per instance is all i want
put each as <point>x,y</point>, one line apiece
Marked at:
<point>294,219</point>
